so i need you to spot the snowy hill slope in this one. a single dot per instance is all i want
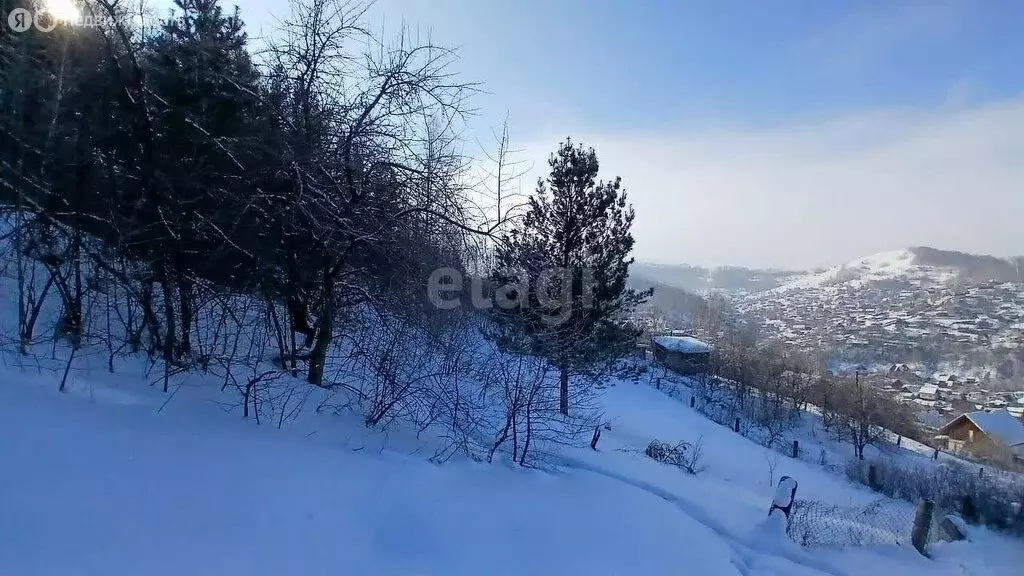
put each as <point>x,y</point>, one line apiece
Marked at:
<point>883,266</point>
<point>700,280</point>
<point>921,306</point>
<point>114,479</point>
<point>921,265</point>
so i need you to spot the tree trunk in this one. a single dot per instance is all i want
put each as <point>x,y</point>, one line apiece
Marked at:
<point>324,334</point>
<point>563,389</point>
<point>28,330</point>
<point>169,319</point>
<point>149,319</point>
<point>187,315</point>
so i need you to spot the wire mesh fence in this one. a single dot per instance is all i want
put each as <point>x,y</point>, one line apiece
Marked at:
<point>991,499</point>
<point>882,522</point>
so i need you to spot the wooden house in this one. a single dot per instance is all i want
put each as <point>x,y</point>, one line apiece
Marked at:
<point>996,434</point>
<point>683,354</point>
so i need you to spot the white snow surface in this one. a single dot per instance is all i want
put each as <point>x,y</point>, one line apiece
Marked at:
<point>114,478</point>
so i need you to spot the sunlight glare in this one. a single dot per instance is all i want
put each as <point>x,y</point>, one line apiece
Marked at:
<point>63,10</point>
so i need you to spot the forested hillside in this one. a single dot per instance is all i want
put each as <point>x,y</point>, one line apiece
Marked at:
<point>304,206</point>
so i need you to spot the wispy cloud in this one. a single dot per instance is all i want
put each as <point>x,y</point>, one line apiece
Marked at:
<point>871,36</point>
<point>824,191</point>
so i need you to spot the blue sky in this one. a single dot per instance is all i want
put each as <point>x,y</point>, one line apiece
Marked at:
<point>782,133</point>
<point>661,64</point>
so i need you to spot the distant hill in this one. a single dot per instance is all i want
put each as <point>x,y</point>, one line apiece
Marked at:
<point>919,265</point>
<point>729,279</point>
<point>934,309</point>
<point>915,263</point>
<point>675,306</point>
<point>979,268</point>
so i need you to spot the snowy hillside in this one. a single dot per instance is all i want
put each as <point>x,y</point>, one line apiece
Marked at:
<point>938,311</point>
<point>116,478</point>
<point>891,265</point>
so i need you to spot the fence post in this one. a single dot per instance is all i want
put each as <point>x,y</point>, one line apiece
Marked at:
<point>657,383</point>
<point>981,472</point>
<point>968,510</point>
<point>796,448</point>
<point>872,476</point>
<point>736,427</point>
<point>693,401</point>
<point>936,455</point>
<point>922,524</point>
<point>899,440</point>
<point>785,494</point>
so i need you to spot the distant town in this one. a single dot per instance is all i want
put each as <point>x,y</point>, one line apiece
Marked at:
<point>976,327</point>
<point>942,331</point>
<point>944,396</point>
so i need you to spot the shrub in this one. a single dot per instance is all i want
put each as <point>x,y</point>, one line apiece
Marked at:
<point>684,455</point>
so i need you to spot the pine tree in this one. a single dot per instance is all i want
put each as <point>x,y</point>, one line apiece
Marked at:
<point>576,231</point>
<point>201,76</point>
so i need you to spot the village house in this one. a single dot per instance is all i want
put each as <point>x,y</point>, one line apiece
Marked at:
<point>928,392</point>
<point>683,354</point>
<point>993,435</point>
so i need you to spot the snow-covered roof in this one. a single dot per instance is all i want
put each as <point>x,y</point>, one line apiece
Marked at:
<point>999,424</point>
<point>929,389</point>
<point>685,344</point>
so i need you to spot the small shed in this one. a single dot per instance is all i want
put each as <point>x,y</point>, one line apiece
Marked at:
<point>986,433</point>
<point>928,392</point>
<point>683,354</point>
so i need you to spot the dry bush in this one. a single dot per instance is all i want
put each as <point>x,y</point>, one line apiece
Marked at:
<point>683,455</point>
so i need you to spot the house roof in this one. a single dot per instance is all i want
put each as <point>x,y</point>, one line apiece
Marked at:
<point>998,424</point>
<point>929,389</point>
<point>685,344</point>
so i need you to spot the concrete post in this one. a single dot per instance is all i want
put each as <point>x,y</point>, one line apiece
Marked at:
<point>785,495</point>
<point>922,524</point>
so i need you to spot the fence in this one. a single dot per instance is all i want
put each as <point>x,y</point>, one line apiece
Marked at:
<point>987,497</point>
<point>882,522</point>
<point>993,499</point>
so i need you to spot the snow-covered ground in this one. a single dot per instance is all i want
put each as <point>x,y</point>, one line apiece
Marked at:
<point>114,479</point>
<point>881,266</point>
